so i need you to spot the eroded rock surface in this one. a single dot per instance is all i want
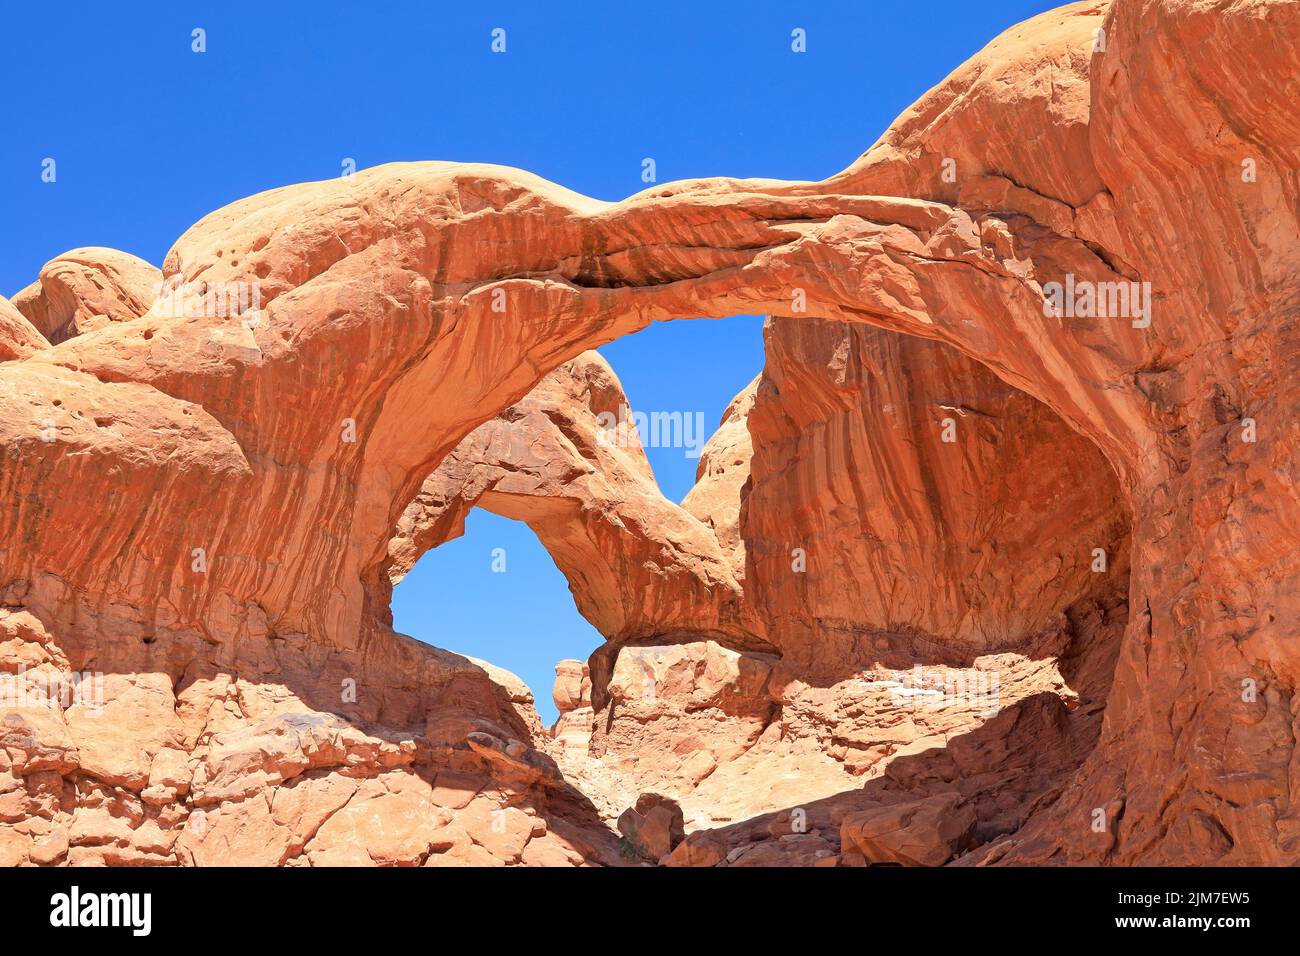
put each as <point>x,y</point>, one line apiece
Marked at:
<point>572,698</point>
<point>136,767</point>
<point>720,480</point>
<point>18,337</point>
<point>223,568</point>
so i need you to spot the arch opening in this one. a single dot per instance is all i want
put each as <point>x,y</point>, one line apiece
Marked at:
<point>925,513</point>
<point>572,462</point>
<point>494,593</point>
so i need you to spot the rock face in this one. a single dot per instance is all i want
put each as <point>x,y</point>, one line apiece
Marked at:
<point>652,829</point>
<point>131,768</point>
<point>572,697</point>
<point>1089,220</point>
<point>925,833</point>
<point>86,289</point>
<point>721,478</point>
<point>845,415</point>
<point>899,486</point>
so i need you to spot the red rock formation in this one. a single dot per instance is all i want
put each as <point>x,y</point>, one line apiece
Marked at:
<point>239,474</point>
<point>87,288</point>
<point>637,564</point>
<point>18,337</point>
<point>924,833</point>
<point>898,486</point>
<point>991,532</point>
<point>572,697</point>
<point>720,478</point>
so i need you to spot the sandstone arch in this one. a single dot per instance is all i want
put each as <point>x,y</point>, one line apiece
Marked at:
<point>638,565</point>
<point>376,288</point>
<point>965,558</point>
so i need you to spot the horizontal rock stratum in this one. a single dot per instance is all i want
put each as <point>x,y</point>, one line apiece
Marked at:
<point>997,561</point>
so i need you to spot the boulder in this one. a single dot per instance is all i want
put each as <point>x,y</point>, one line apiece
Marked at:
<point>925,832</point>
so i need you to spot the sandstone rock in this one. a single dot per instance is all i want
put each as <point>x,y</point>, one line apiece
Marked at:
<point>673,714</point>
<point>656,832</point>
<point>227,556</point>
<point>653,828</point>
<point>572,686</point>
<point>926,497</point>
<point>515,759</point>
<point>118,737</point>
<point>389,821</point>
<point>572,696</point>
<point>809,850</point>
<point>557,460</point>
<point>698,849</point>
<point>630,823</point>
<point>661,827</point>
<point>721,476</point>
<point>87,288</point>
<point>924,833</point>
<point>18,337</point>
<point>503,831</point>
<point>549,853</point>
<point>455,790</point>
<point>464,853</point>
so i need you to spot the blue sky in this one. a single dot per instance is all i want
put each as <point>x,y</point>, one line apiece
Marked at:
<point>148,136</point>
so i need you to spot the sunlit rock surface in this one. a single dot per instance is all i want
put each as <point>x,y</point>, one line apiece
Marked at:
<point>202,502</point>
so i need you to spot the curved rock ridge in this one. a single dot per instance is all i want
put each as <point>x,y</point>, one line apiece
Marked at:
<point>981,539</point>
<point>18,337</point>
<point>562,461</point>
<point>240,473</point>
<point>88,288</point>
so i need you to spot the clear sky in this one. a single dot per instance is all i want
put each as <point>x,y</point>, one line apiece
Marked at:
<point>148,136</point>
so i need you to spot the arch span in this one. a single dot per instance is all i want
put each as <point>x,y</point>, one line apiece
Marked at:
<point>416,301</point>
